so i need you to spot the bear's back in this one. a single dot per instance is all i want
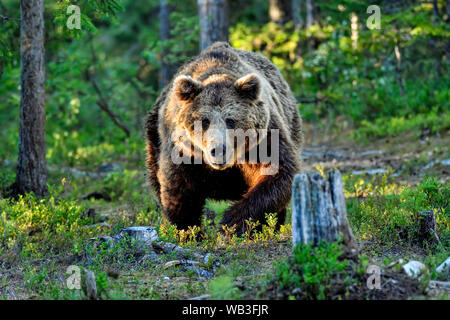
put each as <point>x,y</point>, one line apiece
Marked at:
<point>288,108</point>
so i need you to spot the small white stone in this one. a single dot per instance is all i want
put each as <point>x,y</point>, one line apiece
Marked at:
<point>206,258</point>
<point>414,268</point>
<point>429,165</point>
<point>144,234</point>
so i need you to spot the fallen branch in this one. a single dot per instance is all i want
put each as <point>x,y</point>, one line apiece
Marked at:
<point>307,100</point>
<point>102,101</point>
<point>103,104</point>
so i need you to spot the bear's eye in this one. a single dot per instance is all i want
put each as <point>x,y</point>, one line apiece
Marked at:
<point>205,123</point>
<point>230,123</point>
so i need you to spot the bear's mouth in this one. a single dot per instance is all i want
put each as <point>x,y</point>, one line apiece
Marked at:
<point>220,166</point>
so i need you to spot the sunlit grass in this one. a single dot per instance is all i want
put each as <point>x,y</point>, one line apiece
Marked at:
<point>434,120</point>
<point>390,214</point>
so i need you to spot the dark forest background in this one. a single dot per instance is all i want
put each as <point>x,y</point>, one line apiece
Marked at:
<point>385,81</point>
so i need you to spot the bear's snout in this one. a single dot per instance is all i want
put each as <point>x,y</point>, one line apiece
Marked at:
<point>217,156</point>
<point>219,151</point>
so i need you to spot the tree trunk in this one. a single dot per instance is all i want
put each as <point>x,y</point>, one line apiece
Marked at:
<point>447,21</point>
<point>354,29</point>
<point>309,13</point>
<point>398,69</point>
<point>434,41</point>
<point>319,210</point>
<point>297,14</point>
<point>280,11</point>
<point>91,285</point>
<point>32,165</point>
<point>214,22</point>
<point>167,69</point>
<point>435,12</point>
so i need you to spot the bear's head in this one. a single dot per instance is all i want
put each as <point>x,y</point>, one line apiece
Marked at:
<point>223,116</point>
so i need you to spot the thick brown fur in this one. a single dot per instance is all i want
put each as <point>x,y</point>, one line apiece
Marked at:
<point>208,87</point>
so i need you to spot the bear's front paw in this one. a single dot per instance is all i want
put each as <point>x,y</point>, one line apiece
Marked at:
<point>227,218</point>
<point>230,225</point>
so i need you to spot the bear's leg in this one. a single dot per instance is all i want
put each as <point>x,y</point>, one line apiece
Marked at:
<point>153,151</point>
<point>181,198</point>
<point>281,218</point>
<point>267,194</point>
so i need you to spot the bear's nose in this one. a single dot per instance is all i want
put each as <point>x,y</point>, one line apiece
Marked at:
<point>218,151</point>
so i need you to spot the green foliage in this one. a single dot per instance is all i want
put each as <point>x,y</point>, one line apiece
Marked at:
<point>119,43</point>
<point>271,40</point>
<point>45,283</point>
<point>78,132</point>
<point>182,45</point>
<point>434,121</point>
<point>37,227</point>
<point>360,85</point>
<point>313,270</point>
<point>391,216</point>
<point>120,255</point>
<point>41,282</point>
<point>91,11</point>
<point>223,288</point>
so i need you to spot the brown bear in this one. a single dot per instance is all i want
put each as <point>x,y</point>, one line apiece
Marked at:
<point>224,90</point>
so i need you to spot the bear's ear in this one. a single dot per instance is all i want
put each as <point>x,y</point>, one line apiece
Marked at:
<point>248,86</point>
<point>186,88</point>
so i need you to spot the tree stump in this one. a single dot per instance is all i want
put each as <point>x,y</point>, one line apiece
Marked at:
<point>319,211</point>
<point>91,285</point>
<point>427,228</point>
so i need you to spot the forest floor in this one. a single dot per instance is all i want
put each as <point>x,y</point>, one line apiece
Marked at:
<point>241,268</point>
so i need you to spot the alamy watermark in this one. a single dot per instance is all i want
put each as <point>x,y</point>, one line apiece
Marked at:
<point>73,281</point>
<point>221,147</point>
<point>74,20</point>
<point>374,21</point>
<point>374,279</point>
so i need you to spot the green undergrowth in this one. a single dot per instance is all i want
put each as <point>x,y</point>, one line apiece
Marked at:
<point>381,212</point>
<point>434,121</point>
<point>389,214</point>
<point>315,272</point>
<point>36,227</point>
